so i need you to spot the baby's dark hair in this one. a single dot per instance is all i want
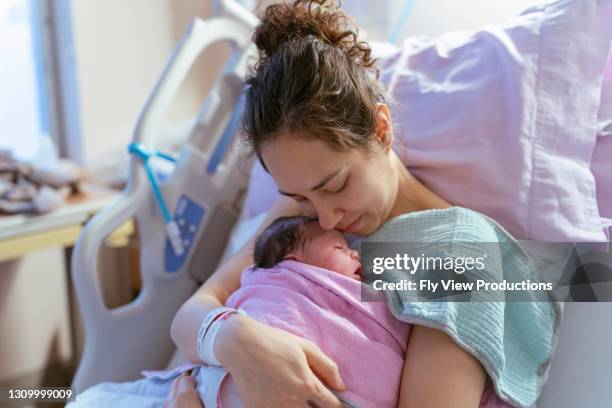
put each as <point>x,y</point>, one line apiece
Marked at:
<point>282,236</point>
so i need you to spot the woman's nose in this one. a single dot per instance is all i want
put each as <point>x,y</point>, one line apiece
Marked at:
<point>329,219</point>
<point>328,222</point>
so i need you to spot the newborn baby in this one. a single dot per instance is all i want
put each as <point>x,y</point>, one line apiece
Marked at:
<point>301,238</point>
<point>306,281</point>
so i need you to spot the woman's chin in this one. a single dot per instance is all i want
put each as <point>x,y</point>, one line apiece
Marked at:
<point>364,229</point>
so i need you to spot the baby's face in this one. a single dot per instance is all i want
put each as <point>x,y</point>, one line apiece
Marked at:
<point>329,250</point>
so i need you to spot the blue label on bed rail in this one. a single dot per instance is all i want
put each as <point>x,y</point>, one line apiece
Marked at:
<point>188,215</point>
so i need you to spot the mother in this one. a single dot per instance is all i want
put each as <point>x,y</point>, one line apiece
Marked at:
<point>318,122</point>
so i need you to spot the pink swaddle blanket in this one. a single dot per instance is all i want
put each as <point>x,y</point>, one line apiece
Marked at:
<point>363,338</point>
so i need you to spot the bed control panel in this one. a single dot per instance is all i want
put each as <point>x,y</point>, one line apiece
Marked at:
<point>188,216</point>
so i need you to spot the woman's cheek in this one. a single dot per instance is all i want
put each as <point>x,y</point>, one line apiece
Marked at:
<point>354,201</point>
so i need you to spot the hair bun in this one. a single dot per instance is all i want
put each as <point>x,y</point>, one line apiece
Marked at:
<point>310,18</point>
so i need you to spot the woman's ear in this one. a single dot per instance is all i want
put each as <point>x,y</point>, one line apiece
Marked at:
<point>384,130</point>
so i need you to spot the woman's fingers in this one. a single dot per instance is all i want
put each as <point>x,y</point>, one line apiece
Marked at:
<point>323,366</point>
<point>183,394</point>
<point>325,398</point>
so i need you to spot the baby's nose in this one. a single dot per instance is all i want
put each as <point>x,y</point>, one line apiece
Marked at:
<point>354,254</point>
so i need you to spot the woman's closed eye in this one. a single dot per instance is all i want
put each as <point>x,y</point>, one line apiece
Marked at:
<point>341,188</point>
<point>302,199</point>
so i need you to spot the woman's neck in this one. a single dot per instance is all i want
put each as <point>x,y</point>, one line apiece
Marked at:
<point>412,195</point>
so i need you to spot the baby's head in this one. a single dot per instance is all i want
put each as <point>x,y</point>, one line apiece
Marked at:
<point>301,238</point>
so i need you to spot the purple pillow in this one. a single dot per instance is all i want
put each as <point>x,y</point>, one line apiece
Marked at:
<point>602,155</point>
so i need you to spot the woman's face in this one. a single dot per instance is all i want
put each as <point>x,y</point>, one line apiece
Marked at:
<point>351,191</point>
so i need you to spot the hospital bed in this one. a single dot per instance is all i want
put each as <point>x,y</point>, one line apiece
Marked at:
<point>204,194</point>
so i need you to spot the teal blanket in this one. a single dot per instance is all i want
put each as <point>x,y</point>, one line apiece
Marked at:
<point>514,341</point>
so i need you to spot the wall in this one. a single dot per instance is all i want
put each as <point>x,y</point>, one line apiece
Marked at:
<point>33,309</point>
<point>121,48</point>
<point>430,17</point>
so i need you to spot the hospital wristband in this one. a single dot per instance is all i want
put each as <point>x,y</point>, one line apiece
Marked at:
<point>207,322</point>
<point>208,332</point>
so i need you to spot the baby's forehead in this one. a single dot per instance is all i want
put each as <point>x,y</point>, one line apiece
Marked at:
<point>312,230</point>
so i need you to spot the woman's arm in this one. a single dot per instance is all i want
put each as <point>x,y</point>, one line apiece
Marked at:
<point>219,286</point>
<point>439,373</point>
<point>271,367</point>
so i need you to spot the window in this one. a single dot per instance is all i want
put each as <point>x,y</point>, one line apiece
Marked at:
<point>24,115</point>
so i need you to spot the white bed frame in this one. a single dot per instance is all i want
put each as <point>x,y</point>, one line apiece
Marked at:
<point>121,342</point>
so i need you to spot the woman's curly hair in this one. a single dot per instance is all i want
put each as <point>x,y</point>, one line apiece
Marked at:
<point>314,79</point>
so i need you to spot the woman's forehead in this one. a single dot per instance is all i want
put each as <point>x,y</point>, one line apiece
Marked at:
<point>300,165</point>
<point>286,150</point>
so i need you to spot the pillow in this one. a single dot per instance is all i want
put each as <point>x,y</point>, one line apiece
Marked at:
<point>502,120</point>
<point>602,156</point>
<point>262,191</point>
<point>519,147</point>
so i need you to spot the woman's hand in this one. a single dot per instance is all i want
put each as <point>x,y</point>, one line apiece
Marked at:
<point>183,394</point>
<point>274,368</point>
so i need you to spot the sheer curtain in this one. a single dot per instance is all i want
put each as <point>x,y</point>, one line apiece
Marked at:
<point>24,114</point>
